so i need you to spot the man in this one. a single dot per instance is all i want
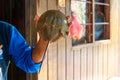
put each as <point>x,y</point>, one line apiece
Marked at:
<point>27,58</point>
<point>13,45</point>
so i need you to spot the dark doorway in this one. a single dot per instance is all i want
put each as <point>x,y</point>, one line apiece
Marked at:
<point>13,11</point>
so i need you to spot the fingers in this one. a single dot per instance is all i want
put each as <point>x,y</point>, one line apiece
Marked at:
<point>36,18</point>
<point>69,19</point>
<point>1,46</point>
<point>69,24</point>
<point>40,33</point>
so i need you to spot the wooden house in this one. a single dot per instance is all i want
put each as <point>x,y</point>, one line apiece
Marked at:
<point>91,60</point>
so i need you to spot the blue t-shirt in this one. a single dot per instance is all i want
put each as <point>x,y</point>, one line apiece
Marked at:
<point>15,47</point>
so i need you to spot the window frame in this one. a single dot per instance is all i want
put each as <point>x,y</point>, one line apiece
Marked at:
<point>90,29</point>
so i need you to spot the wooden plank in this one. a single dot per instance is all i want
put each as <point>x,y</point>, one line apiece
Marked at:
<point>77,65</point>
<point>105,62</point>
<point>112,61</point>
<point>69,53</point>
<point>83,64</point>
<point>61,54</point>
<point>27,20</point>
<point>119,41</point>
<point>33,31</point>
<point>52,62</point>
<point>42,74</point>
<point>95,62</point>
<point>69,65</point>
<point>100,62</point>
<point>41,6</point>
<point>61,59</point>
<point>89,63</point>
<point>116,52</point>
<point>52,4</point>
<point>68,7</point>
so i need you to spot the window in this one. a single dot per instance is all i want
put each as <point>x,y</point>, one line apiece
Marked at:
<point>94,16</point>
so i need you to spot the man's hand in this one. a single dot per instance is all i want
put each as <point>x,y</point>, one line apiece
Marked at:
<point>40,49</point>
<point>1,46</point>
<point>36,18</point>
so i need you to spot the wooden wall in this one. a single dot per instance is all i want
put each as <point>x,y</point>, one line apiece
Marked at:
<point>97,61</point>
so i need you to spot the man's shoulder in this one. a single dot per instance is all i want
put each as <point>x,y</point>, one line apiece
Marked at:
<point>5,24</point>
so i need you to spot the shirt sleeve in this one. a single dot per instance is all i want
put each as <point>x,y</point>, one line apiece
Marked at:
<point>20,52</point>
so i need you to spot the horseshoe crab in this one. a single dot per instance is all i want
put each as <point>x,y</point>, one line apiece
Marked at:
<point>53,24</point>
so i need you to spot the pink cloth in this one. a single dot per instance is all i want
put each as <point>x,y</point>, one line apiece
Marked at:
<point>75,29</point>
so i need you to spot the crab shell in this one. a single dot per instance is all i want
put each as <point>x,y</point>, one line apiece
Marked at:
<point>53,25</point>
